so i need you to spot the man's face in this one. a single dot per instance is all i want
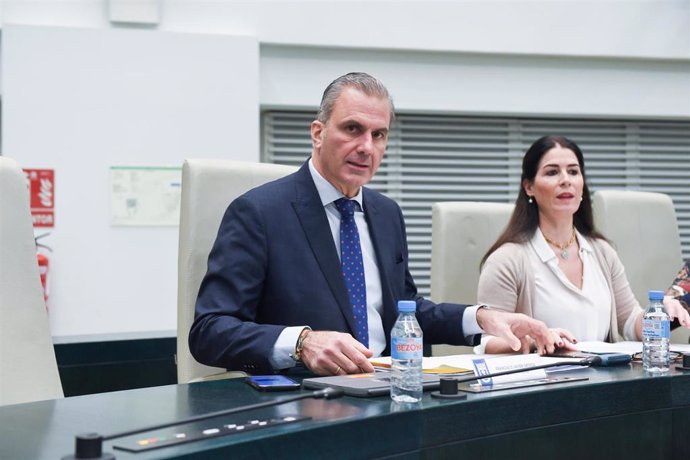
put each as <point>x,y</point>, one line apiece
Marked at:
<point>349,147</point>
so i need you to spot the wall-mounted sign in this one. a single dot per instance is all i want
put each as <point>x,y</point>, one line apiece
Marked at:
<point>42,190</point>
<point>145,195</point>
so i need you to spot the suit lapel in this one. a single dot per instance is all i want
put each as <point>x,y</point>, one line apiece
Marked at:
<point>385,251</point>
<point>314,222</point>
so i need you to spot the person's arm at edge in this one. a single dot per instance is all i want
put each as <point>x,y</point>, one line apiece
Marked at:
<point>224,332</point>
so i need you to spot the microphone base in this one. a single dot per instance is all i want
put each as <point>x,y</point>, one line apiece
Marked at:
<point>103,456</point>
<point>89,446</point>
<point>439,395</point>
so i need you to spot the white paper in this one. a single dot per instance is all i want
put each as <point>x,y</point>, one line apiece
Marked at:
<point>145,195</point>
<point>465,361</point>
<point>629,348</point>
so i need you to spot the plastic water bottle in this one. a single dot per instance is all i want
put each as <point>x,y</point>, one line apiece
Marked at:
<point>406,355</point>
<point>656,334</point>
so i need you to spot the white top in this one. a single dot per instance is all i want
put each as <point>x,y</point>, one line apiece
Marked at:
<point>559,303</point>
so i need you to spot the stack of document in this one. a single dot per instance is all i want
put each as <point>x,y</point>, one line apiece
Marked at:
<point>629,348</point>
<point>465,364</point>
<point>440,365</point>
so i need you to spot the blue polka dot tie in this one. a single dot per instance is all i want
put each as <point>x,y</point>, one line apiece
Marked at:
<point>353,267</point>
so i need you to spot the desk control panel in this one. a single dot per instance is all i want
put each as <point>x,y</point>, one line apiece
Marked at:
<point>175,437</point>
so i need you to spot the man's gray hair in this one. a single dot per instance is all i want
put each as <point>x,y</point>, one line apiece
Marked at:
<point>358,80</point>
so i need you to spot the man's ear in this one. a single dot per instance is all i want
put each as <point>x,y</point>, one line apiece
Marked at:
<point>317,128</point>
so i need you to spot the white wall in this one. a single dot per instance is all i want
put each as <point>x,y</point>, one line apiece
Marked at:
<point>620,28</point>
<point>485,84</point>
<point>610,28</point>
<point>573,58</point>
<point>79,101</point>
<point>91,93</point>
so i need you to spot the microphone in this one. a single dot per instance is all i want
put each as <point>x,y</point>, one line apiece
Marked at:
<point>90,445</point>
<point>449,387</point>
<point>611,359</point>
<point>593,361</point>
<point>585,362</point>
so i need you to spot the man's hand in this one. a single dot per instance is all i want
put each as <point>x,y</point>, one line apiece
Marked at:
<point>676,311</point>
<point>333,353</point>
<point>562,339</point>
<point>520,331</point>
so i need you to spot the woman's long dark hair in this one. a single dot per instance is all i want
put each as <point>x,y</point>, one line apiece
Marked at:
<point>525,219</point>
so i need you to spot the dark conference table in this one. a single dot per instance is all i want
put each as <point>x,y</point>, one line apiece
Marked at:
<point>619,413</point>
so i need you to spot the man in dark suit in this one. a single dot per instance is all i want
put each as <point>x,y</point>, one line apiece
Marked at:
<point>275,295</point>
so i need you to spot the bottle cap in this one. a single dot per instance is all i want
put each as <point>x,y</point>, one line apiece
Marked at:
<point>407,305</point>
<point>656,295</point>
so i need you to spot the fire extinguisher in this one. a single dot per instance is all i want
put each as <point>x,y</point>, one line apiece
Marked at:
<point>43,265</point>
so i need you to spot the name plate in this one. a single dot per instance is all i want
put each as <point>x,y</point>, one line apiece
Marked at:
<point>485,366</point>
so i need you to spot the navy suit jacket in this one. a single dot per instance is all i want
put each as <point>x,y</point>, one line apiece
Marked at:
<point>274,264</point>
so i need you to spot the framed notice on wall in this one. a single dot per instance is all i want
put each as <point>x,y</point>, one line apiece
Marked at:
<point>145,195</point>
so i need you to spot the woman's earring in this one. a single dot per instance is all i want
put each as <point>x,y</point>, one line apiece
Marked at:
<point>530,200</point>
<point>581,198</point>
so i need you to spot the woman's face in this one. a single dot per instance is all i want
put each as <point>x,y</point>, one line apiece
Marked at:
<point>557,186</point>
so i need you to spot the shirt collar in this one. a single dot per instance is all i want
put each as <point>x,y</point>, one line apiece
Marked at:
<point>543,250</point>
<point>584,243</point>
<point>327,192</point>
<point>541,247</point>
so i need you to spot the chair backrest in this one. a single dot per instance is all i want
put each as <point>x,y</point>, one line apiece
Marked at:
<point>208,187</point>
<point>28,369</point>
<point>462,232</point>
<point>643,229</point>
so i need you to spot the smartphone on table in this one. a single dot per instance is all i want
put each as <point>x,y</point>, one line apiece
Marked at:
<point>272,382</point>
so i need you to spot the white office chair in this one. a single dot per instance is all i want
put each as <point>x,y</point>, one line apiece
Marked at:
<point>28,370</point>
<point>643,229</point>
<point>208,187</point>
<point>462,232</point>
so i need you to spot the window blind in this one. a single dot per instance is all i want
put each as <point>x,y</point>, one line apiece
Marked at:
<point>433,158</point>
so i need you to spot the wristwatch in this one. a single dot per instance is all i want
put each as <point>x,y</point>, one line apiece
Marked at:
<point>676,291</point>
<point>297,356</point>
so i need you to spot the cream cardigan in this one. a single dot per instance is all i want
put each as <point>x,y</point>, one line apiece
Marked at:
<point>507,282</point>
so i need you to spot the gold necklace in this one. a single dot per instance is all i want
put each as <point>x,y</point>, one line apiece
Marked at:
<point>563,247</point>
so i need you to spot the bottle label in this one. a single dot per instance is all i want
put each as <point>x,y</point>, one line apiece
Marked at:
<point>654,329</point>
<point>406,348</point>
